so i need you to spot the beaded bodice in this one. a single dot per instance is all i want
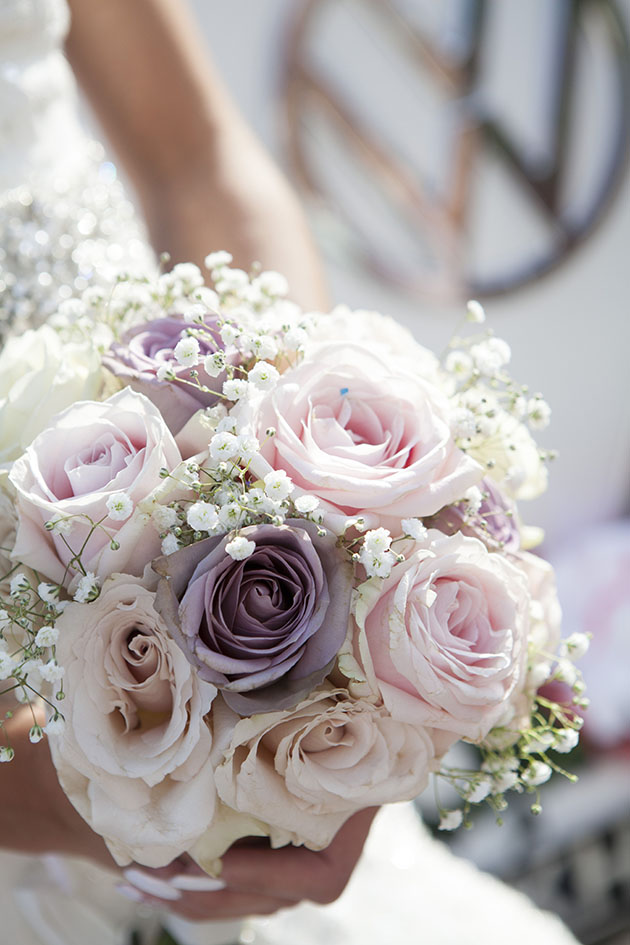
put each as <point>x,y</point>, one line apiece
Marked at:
<point>38,120</point>
<point>64,216</point>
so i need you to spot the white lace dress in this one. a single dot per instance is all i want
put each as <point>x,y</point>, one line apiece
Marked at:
<point>63,214</point>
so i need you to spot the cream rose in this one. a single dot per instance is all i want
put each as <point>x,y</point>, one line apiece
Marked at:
<point>92,452</point>
<point>305,771</point>
<point>511,457</point>
<point>40,376</point>
<point>443,639</point>
<point>134,754</point>
<point>363,437</point>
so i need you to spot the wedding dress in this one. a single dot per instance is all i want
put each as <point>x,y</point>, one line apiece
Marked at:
<point>64,214</point>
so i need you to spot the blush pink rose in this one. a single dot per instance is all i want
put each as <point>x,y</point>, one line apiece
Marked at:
<point>304,771</point>
<point>364,436</point>
<point>88,453</point>
<point>443,639</point>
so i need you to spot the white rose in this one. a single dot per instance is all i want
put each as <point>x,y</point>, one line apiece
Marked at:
<point>40,376</point>
<point>134,753</point>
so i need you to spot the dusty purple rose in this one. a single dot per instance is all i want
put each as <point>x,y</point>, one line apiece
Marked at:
<point>496,522</point>
<point>141,351</point>
<point>264,630</point>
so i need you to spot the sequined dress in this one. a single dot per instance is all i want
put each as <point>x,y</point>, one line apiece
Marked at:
<point>64,215</point>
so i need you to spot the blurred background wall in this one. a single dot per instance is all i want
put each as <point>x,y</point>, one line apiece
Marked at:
<point>480,149</point>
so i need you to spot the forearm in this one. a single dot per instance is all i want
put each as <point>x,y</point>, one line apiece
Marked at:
<point>246,208</point>
<point>203,179</point>
<point>35,815</point>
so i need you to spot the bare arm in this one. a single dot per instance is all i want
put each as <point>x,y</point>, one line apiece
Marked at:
<point>36,816</point>
<point>203,179</point>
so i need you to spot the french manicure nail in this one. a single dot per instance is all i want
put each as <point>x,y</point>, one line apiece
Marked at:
<point>130,892</point>
<point>151,885</point>
<point>190,883</point>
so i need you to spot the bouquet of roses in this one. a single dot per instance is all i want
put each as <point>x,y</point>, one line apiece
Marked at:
<point>266,567</point>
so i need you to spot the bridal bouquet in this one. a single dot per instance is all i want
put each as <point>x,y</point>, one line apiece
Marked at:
<point>266,567</point>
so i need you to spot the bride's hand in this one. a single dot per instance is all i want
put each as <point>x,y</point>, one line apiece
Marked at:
<point>37,817</point>
<point>35,814</point>
<point>256,880</point>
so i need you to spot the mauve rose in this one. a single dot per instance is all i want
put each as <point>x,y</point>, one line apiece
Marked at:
<point>90,452</point>
<point>141,351</point>
<point>304,772</point>
<point>265,630</point>
<point>495,524</point>
<point>134,755</point>
<point>364,436</point>
<point>444,638</point>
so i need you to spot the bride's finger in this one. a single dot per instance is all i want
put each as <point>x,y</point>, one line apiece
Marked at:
<point>200,907</point>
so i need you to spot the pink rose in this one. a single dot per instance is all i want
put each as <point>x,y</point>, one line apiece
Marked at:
<point>364,437</point>
<point>304,771</point>
<point>444,638</point>
<point>91,452</point>
<point>134,754</point>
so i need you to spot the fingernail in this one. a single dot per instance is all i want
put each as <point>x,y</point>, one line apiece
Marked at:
<point>150,885</point>
<point>197,883</point>
<point>130,892</point>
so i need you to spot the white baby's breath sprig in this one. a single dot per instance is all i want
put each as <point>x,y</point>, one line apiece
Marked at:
<point>186,351</point>
<point>451,819</point>
<point>575,646</point>
<point>278,485</point>
<point>538,413</point>
<point>223,446</point>
<point>216,261</point>
<point>55,725</point>
<point>88,588</point>
<point>229,333</point>
<point>414,528</point>
<point>306,504</point>
<point>52,671</point>
<point>203,516</point>
<point>214,364</point>
<point>240,548</point>
<point>236,389</point>
<point>19,585</point>
<point>375,554</point>
<point>47,636</point>
<point>475,313</point>
<point>170,544</point>
<point>536,773</point>
<point>272,283</point>
<point>263,375</point>
<point>119,506</point>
